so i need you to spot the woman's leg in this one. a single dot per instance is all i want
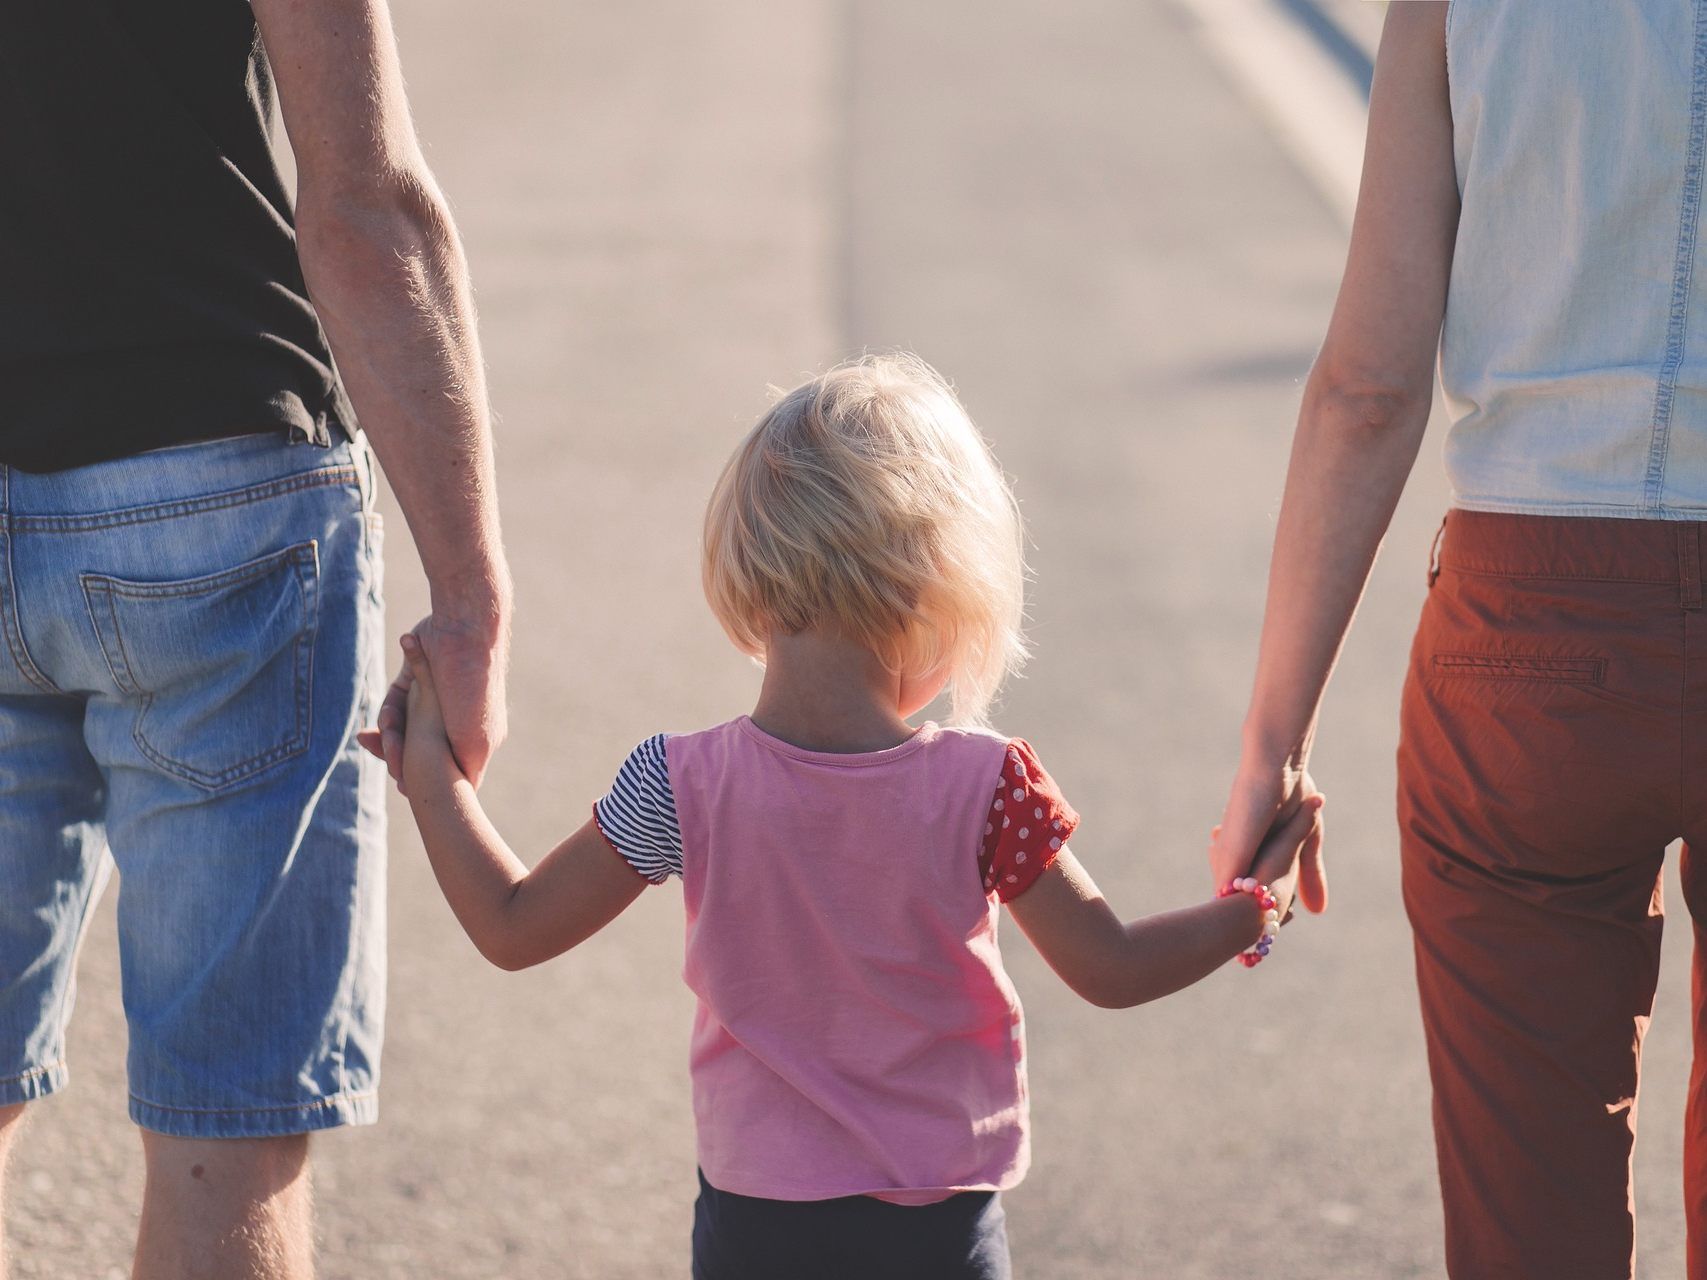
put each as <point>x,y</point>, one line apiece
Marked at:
<point>1534,1003</point>
<point>1538,786</point>
<point>1695,1122</point>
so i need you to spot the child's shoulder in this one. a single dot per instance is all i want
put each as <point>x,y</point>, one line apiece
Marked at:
<point>980,733</point>
<point>974,746</point>
<point>983,738</point>
<point>662,741</point>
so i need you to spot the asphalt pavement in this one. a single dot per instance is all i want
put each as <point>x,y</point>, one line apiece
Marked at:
<point>1070,210</point>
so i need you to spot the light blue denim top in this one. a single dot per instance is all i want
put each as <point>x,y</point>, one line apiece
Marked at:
<point>1574,353</point>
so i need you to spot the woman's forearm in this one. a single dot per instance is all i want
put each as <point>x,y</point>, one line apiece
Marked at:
<point>1367,402</point>
<point>1350,458</point>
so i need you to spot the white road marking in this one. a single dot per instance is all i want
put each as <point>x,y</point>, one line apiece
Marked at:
<point>1314,110</point>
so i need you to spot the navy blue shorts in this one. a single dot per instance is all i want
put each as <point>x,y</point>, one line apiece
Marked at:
<point>850,1238</point>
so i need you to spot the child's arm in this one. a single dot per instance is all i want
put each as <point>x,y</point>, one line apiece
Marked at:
<point>1118,965</point>
<point>515,917</point>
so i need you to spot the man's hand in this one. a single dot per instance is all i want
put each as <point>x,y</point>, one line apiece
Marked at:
<point>469,673</point>
<point>1263,801</point>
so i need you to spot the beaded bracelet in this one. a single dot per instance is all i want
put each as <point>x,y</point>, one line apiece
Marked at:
<point>1270,917</point>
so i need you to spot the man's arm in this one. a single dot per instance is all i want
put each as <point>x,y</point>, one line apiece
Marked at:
<point>386,273</point>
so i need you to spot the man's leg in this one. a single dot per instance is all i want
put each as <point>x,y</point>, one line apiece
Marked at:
<point>11,1120</point>
<point>52,869</point>
<point>241,651</point>
<point>225,1209</point>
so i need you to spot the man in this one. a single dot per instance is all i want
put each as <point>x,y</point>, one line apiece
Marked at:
<point>189,584</point>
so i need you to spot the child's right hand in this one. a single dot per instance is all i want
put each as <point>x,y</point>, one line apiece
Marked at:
<point>427,757</point>
<point>1276,863</point>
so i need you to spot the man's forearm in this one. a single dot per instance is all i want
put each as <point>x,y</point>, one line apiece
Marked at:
<point>386,271</point>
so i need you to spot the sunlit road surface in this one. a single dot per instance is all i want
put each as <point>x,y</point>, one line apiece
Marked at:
<point>1076,212</point>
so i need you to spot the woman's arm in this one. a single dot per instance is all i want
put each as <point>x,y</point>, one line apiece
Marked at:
<point>515,917</point>
<point>1365,408</point>
<point>1116,965</point>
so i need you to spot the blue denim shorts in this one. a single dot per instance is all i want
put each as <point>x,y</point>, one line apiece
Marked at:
<point>192,637</point>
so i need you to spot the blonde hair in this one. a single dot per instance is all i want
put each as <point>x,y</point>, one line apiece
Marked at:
<point>866,501</point>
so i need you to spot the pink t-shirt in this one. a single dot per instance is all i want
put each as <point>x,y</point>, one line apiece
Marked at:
<point>856,1033</point>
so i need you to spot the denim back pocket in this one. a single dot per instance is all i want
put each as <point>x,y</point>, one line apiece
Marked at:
<point>221,667</point>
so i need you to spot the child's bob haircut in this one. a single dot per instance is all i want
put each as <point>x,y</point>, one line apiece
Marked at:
<point>865,501</point>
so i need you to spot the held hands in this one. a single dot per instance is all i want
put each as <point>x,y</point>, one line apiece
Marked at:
<point>425,757</point>
<point>1264,801</point>
<point>470,669</point>
<point>1279,860</point>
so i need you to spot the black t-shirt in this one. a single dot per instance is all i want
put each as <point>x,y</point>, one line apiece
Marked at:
<point>149,287</point>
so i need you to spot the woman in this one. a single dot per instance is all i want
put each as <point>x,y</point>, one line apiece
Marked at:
<point>1531,210</point>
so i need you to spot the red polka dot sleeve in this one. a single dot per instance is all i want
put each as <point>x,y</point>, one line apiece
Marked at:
<point>1029,823</point>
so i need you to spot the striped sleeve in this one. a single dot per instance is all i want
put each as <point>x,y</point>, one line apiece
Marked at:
<point>638,814</point>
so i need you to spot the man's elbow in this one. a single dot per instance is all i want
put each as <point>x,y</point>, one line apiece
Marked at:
<point>379,217</point>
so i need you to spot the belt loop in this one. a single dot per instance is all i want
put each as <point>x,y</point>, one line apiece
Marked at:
<point>1434,551</point>
<point>1689,564</point>
<point>362,456</point>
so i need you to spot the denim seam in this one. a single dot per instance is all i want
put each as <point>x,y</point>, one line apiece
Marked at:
<point>126,682</point>
<point>1689,220</point>
<point>13,628</point>
<point>1670,511</point>
<point>95,883</point>
<point>35,1072</point>
<point>207,779</point>
<point>318,1104</point>
<point>326,477</point>
<point>301,553</point>
<point>297,558</point>
<point>15,637</point>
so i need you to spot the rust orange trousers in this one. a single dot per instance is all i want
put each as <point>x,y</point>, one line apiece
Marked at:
<point>1553,744</point>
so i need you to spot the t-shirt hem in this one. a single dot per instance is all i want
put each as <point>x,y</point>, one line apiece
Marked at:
<point>760,1188</point>
<point>1607,510</point>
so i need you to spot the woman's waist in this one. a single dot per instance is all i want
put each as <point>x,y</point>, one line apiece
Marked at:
<point>1625,545</point>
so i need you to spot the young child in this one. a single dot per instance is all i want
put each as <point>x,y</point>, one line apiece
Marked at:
<point>857,1057</point>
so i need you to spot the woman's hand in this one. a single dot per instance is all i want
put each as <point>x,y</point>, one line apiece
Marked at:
<point>1293,844</point>
<point>1262,803</point>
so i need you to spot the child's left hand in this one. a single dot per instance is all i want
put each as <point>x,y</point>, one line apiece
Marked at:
<point>1291,842</point>
<point>427,757</point>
